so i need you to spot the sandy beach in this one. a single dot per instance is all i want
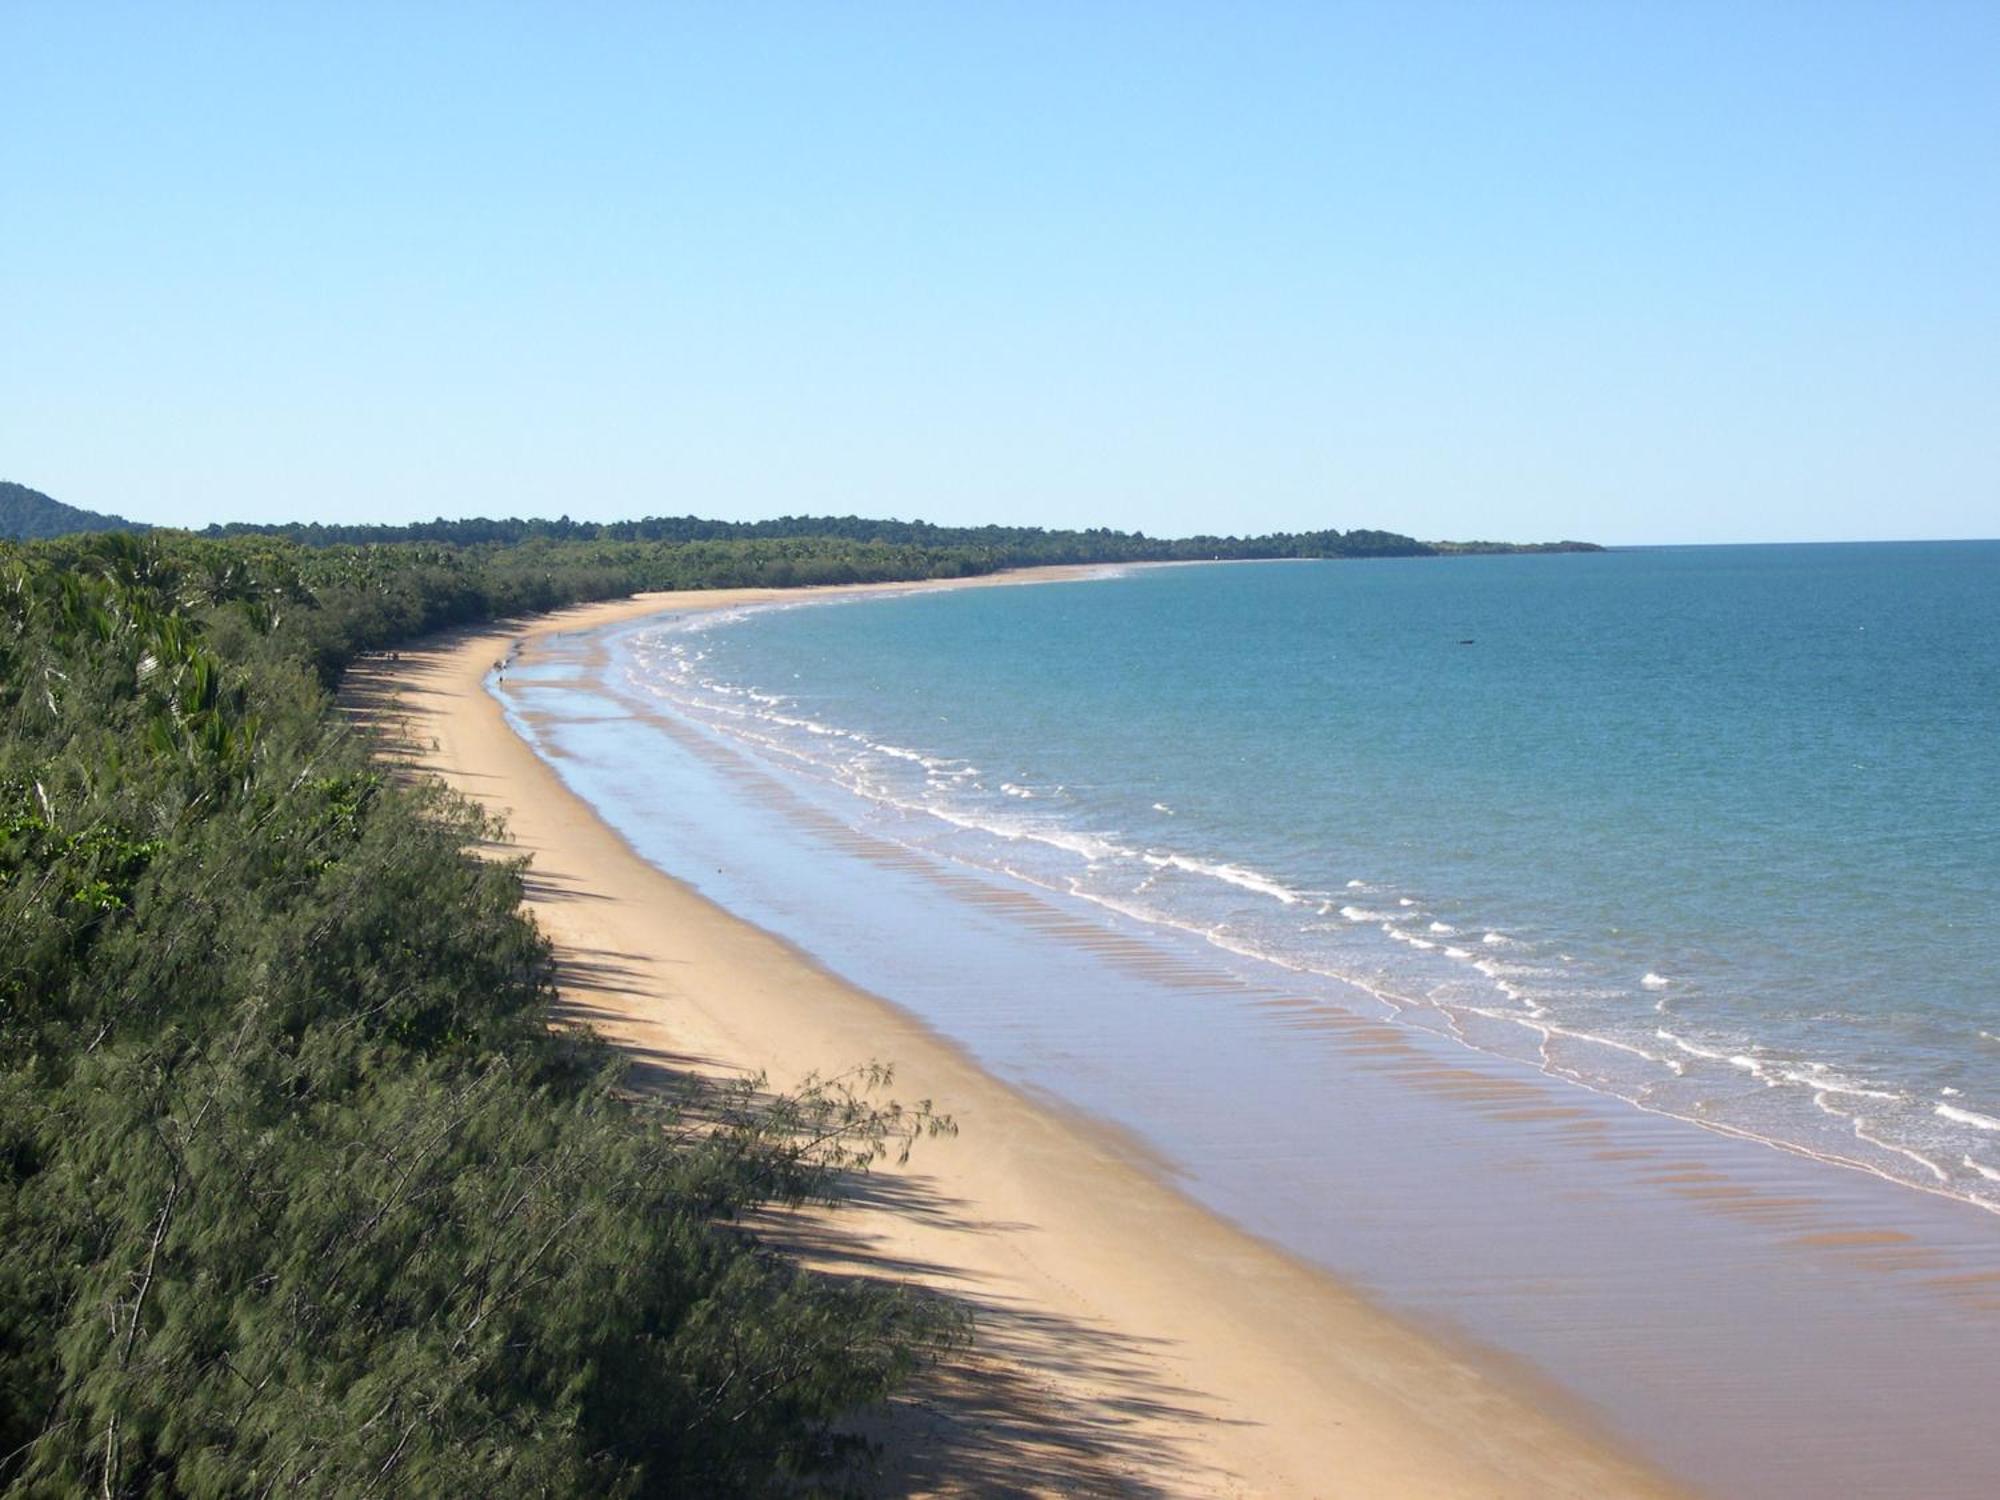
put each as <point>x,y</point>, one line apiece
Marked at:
<point>1128,1340</point>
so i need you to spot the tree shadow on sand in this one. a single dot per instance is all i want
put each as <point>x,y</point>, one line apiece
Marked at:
<point>1038,1404</point>
<point>1035,1404</point>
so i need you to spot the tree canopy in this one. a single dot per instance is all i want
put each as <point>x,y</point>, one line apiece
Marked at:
<point>300,1189</point>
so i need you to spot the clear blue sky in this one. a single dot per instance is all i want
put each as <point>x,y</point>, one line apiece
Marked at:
<point>1670,272</point>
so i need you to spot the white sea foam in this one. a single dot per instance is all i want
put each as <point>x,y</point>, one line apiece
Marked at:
<point>1863,1133</point>
<point>1689,1047</point>
<point>1970,1117</point>
<point>1594,1039</point>
<point>1819,1077</point>
<point>813,726</point>
<point>1822,1079</point>
<point>1089,845</point>
<point>1236,875</point>
<point>956,803</point>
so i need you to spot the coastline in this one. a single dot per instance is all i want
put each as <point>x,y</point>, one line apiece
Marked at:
<point>1128,1338</point>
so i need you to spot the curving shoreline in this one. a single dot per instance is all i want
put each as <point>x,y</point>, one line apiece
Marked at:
<point>1129,1339</point>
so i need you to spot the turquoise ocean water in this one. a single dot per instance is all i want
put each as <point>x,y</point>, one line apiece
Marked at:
<point>1715,830</point>
<point>1474,928</point>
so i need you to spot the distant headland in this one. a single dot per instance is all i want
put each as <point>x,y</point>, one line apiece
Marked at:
<point>28,515</point>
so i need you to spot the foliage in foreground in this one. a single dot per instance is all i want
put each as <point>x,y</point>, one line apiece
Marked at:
<point>299,1191</point>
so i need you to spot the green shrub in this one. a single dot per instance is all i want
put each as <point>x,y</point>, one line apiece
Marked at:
<point>300,1191</point>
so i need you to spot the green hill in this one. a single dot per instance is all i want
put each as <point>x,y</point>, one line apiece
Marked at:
<point>26,515</point>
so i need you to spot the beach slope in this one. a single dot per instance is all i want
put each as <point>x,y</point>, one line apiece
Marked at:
<point>1128,1341</point>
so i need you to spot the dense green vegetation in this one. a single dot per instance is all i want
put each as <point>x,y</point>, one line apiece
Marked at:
<point>300,1191</point>
<point>26,515</point>
<point>991,546</point>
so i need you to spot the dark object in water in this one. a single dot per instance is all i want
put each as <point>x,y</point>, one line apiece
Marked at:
<point>1465,643</point>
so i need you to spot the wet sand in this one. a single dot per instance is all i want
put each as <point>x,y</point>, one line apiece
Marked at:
<point>1130,1341</point>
